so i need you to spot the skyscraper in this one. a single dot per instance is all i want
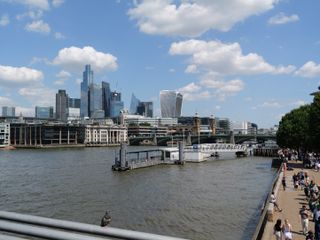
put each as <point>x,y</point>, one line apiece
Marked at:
<point>62,105</point>
<point>170,103</point>
<point>116,105</point>
<point>95,101</point>
<point>87,80</point>
<point>106,98</point>
<point>8,111</point>
<point>145,109</point>
<point>44,112</point>
<point>134,104</point>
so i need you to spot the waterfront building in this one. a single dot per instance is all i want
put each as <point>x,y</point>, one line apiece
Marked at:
<point>145,130</point>
<point>105,135</point>
<point>62,105</point>
<point>130,119</point>
<point>34,134</point>
<point>223,126</point>
<point>245,128</point>
<point>84,95</point>
<point>170,103</point>
<point>44,112</point>
<point>8,111</point>
<point>4,134</point>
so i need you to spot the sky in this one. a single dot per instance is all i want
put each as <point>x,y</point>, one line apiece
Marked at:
<point>246,60</point>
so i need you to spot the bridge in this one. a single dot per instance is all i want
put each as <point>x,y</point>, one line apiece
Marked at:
<point>208,138</point>
<point>16,226</point>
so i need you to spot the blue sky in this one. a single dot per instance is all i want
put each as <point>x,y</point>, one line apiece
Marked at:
<point>242,59</point>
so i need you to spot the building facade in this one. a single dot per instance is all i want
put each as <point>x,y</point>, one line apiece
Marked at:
<point>62,105</point>
<point>8,111</point>
<point>170,103</point>
<point>105,135</point>
<point>4,134</point>
<point>44,112</point>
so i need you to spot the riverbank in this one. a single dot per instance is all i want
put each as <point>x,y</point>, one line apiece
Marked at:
<point>291,201</point>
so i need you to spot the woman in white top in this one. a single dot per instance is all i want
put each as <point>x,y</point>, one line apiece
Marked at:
<point>286,229</point>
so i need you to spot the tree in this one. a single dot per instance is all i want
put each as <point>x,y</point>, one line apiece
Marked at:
<point>314,123</point>
<point>294,128</point>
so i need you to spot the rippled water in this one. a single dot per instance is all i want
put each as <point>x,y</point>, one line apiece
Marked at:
<point>211,200</point>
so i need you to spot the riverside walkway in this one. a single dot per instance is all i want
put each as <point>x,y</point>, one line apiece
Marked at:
<point>291,201</point>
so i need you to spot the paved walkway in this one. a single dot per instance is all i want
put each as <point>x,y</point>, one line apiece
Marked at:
<point>291,201</point>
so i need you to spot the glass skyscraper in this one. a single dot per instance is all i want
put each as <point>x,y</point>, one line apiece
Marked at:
<point>8,111</point>
<point>87,80</point>
<point>44,112</point>
<point>170,103</point>
<point>95,101</point>
<point>62,105</point>
<point>134,104</point>
<point>145,109</point>
<point>106,98</point>
<point>116,105</point>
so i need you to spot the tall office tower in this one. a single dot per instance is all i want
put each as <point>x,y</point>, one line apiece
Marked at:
<point>84,96</point>
<point>134,104</point>
<point>8,111</point>
<point>74,102</point>
<point>74,108</point>
<point>106,98</point>
<point>170,103</point>
<point>95,101</point>
<point>62,105</point>
<point>116,105</point>
<point>145,109</point>
<point>44,112</point>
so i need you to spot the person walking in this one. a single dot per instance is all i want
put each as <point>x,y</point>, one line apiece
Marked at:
<point>284,184</point>
<point>277,230</point>
<point>304,219</point>
<point>286,229</point>
<point>274,201</point>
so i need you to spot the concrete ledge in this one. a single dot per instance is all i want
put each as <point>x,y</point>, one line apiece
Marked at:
<point>270,212</point>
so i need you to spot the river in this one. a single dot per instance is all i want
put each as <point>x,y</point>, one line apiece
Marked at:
<point>201,201</point>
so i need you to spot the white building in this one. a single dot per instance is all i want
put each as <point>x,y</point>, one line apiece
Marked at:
<point>105,135</point>
<point>170,103</point>
<point>154,122</point>
<point>4,134</point>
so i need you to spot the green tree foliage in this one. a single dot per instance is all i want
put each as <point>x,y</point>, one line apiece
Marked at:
<point>314,123</point>
<point>294,128</point>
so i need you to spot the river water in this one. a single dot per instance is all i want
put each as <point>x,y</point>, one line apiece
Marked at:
<point>201,201</point>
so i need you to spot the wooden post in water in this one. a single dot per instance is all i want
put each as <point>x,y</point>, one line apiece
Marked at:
<point>123,155</point>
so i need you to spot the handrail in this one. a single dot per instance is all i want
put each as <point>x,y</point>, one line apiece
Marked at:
<point>263,218</point>
<point>81,227</point>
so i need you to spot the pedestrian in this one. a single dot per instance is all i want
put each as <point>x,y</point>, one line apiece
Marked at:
<point>310,236</point>
<point>277,230</point>
<point>284,185</point>
<point>286,229</point>
<point>304,219</point>
<point>274,201</point>
<point>106,219</point>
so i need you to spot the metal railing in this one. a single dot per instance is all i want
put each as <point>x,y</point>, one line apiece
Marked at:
<point>48,228</point>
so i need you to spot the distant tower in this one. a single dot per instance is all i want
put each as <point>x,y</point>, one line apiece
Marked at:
<point>212,124</point>
<point>170,103</point>
<point>196,125</point>
<point>87,81</point>
<point>8,111</point>
<point>62,105</point>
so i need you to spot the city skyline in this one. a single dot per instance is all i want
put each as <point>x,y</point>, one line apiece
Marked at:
<point>228,58</point>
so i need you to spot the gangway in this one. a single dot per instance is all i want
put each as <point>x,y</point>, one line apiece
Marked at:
<point>47,228</point>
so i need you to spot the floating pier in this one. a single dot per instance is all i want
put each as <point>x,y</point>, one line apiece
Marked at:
<point>147,158</point>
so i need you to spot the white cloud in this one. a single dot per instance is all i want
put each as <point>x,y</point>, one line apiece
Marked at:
<point>282,18</point>
<point>271,104</point>
<point>224,58</point>
<point>19,75</point>
<point>38,4</point>
<point>4,101</point>
<point>38,26</point>
<point>309,70</point>
<point>193,18</point>
<point>26,112</point>
<point>74,59</point>
<point>40,96</point>
<point>4,20</point>
<point>172,70</point>
<point>78,81</point>
<point>62,77</point>
<point>33,14</point>
<point>59,35</point>
<point>57,3</point>
<point>298,103</point>
<point>191,69</point>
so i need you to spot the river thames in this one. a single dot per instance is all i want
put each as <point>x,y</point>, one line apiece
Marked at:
<point>201,201</point>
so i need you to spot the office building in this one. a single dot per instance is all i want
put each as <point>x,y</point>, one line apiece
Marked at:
<point>106,98</point>
<point>134,104</point>
<point>44,112</point>
<point>145,109</point>
<point>74,108</point>
<point>8,111</point>
<point>116,105</point>
<point>4,134</point>
<point>74,103</point>
<point>170,103</point>
<point>84,96</point>
<point>62,105</point>
<point>95,101</point>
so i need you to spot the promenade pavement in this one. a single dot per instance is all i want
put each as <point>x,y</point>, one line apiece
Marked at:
<point>291,201</point>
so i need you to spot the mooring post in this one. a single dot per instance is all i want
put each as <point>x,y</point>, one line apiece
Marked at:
<point>181,153</point>
<point>123,155</point>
